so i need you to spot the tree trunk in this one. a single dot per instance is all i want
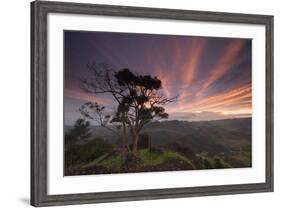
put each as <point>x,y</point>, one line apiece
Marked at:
<point>125,139</point>
<point>135,142</point>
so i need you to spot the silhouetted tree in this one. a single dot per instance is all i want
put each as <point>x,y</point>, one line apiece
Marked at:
<point>138,98</point>
<point>97,113</point>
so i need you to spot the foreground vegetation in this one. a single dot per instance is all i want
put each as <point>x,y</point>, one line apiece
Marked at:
<point>98,157</point>
<point>165,146</point>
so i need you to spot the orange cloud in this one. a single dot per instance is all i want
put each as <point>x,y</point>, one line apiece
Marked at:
<point>235,100</point>
<point>166,80</point>
<point>85,96</point>
<point>205,116</point>
<point>190,66</point>
<point>225,63</point>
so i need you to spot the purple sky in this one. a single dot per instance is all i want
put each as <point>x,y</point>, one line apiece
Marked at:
<point>211,76</point>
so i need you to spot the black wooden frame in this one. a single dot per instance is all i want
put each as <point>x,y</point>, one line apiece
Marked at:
<point>39,12</point>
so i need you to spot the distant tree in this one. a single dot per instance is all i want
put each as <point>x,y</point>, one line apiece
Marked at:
<point>138,98</point>
<point>97,113</point>
<point>80,130</point>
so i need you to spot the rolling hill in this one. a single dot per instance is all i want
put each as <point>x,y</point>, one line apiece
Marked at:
<point>206,144</point>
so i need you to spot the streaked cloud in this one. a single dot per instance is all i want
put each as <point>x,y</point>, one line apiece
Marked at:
<point>211,76</point>
<point>80,95</point>
<point>204,116</point>
<point>190,65</point>
<point>238,98</point>
<point>225,63</point>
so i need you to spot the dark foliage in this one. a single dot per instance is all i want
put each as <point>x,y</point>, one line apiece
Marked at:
<point>80,130</point>
<point>84,153</point>
<point>137,97</point>
<point>144,141</point>
<point>131,162</point>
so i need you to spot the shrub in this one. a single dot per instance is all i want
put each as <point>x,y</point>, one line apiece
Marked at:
<point>219,163</point>
<point>207,163</point>
<point>80,130</point>
<point>131,161</point>
<point>86,152</point>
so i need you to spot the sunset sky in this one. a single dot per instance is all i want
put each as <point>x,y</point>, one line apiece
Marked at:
<point>211,76</point>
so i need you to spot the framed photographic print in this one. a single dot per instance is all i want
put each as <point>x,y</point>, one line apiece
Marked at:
<point>133,103</point>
